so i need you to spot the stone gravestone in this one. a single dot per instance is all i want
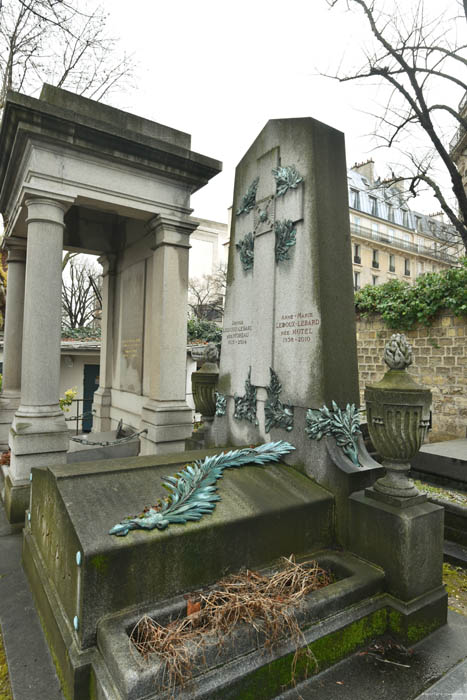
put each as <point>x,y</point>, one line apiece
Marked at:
<point>289,331</point>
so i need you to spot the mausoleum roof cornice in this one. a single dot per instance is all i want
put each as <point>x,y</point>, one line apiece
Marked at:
<point>27,118</point>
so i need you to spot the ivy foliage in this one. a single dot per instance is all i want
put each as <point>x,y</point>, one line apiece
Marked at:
<point>402,305</point>
<point>83,333</point>
<point>200,329</point>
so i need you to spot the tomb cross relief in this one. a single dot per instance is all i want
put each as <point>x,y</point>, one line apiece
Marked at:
<point>266,221</point>
<point>263,217</point>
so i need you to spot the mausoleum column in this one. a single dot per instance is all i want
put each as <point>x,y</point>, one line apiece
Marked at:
<point>102,395</point>
<point>39,435</point>
<point>167,416</point>
<point>13,336</point>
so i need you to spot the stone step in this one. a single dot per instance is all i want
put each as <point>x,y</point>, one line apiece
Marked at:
<point>334,621</point>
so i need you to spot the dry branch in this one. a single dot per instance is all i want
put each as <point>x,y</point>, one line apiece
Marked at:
<point>265,603</point>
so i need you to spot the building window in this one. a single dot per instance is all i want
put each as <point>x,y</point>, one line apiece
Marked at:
<point>374,228</point>
<point>373,206</point>
<point>405,218</point>
<point>419,268</point>
<point>356,281</point>
<point>354,199</point>
<point>391,234</point>
<point>390,212</point>
<point>375,260</point>
<point>407,267</point>
<point>392,263</point>
<point>418,223</point>
<point>356,254</point>
<point>374,280</point>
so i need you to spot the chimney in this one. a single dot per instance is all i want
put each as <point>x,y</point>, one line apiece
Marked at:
<point>367,169</point>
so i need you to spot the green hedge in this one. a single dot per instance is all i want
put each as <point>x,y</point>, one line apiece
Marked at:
<point>402,305</point>
<point>204,330</point>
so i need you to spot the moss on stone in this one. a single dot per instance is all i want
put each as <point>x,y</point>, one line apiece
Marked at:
<point>5,687</point>
<point>269,680</point>
<point>395,622</point>
<point>335,646</point>
<point>418,631</point>
<point>100,562</point>
<point>58,670</point>
<point>455,580</point>
<point>445,494</point>
<point>92,686</point>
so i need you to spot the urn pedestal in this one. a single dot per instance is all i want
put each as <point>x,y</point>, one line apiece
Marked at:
<point>204,383</point>
<point>391,523</point>
<point>398,414</point>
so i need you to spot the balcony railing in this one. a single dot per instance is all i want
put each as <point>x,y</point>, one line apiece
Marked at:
<point>357,259</point>
<point>375,263</point>
<point>457,138</point>
<point>460,132</point>
<point>364,232</point>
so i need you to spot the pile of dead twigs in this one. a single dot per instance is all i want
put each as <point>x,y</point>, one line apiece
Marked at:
<point>266,603</point>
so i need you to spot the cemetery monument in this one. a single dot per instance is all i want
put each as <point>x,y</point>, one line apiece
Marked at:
<point>285,471</point>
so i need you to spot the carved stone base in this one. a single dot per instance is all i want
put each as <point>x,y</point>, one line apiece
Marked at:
<point>396,501</point>
<point>406,542</point>
<point>8,407</point>
<point>16,498</point>
<point>37,440</point>
<point>168,425</point>
<point>101,405</point>
<point>396,482</point>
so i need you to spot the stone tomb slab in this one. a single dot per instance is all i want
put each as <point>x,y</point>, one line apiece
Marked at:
<point>445,461</point>
<point>289,283</point>
<point>264,513</point>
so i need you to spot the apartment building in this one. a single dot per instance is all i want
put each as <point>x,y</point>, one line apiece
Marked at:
<point>458,144</point>
<point>389,240</point>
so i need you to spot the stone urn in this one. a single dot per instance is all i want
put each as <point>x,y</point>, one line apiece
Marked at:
<point>398,414</point>
<point>204,383</point>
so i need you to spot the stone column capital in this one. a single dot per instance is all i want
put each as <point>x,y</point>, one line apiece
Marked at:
<point>16,248</point>
<point>45,210</point>
<point>173,232</point>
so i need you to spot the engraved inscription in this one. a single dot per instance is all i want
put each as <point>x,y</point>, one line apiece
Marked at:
<point>297,327</point>
<point>131,347</point>
<point>237,334</point>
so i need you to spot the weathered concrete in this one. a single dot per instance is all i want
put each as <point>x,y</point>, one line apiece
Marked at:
<point>13,338</point>
<point>351,608</point>
<point>38,433</point>
<point>106,174</point>
<point>408,544</point>
<point>30,667</point>
<point>293,315</point>
<point>290,315</point>
<point>366,676</point>
<point>265,512</point>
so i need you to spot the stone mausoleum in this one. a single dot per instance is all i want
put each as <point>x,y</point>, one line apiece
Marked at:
<point>83,176</point>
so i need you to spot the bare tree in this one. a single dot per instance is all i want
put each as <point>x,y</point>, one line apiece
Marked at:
<point>63,42</point>
<point>81,294</point>
<point>419,58</point>
<point>206,295</point>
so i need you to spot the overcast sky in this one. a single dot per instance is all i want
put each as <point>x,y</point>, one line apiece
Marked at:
<point>219,70</point>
